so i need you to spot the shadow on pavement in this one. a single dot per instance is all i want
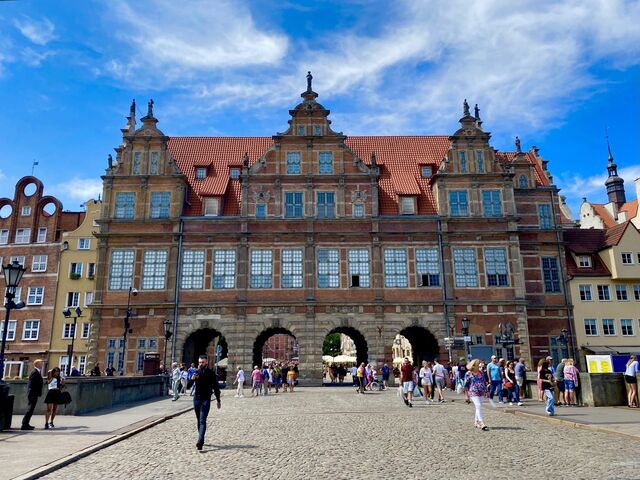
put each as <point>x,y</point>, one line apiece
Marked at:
<point>229,447</point>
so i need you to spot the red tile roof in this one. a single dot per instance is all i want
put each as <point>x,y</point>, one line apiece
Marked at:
<point>541,178</point>
<point>585,242</point>
<point>400,159</point>
<point>602,212</point>
<point>614,234</point>
<point>630,208</point>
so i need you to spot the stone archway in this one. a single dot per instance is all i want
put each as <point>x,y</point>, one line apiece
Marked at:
<point>203,342</point>
<point>362,349</point>
<point>424,345</point>
<point>262,338</point>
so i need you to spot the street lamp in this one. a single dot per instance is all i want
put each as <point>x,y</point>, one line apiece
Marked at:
<point>12,275</point>
<point>67,314</point>
<point>127,328</point>
<point>167,335</point>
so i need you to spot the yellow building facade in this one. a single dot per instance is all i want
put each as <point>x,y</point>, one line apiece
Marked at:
<point>76,285</point>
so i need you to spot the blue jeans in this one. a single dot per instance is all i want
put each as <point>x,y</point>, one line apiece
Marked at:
<point>549,394</point>
<point>495,385</point>
<point>201,406</point>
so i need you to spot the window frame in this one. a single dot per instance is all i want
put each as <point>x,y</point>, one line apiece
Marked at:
<point>324,167</point>
<point>12,327</point>
<point>154,269</point>
<point>293,161</point>
<point>611,327</point>
<point>294,204</point>
<point>223,272</point>
<point>32,298</point>
<point>628,256</point>
<point>160,205</point>
<point>192,269</point>
<point>622,294</point>
<point>395,266</point>
<point>41,261</point>
<point>211,207</point>
<point>292,268</point>
<point>583,290</point>
<point>491,207</point>
<point>459,211</point>
<point>463,276</point>
<point>328,267</point>
<point>27,326</point>
<point>496,278</point>
<point>627,324</point>
<point>602,289</point>
<point>593,327</point>
<point>425,267</point>
<point>121,280</point>
<point>23,236</point>
<point>4,236</point>
<point>545,219</point>
<point>584,261</point>
<point>551,275</point>
<point>359,265</point>
<point>124,206</point>
<point>261,268</point>
<point>42,235</point>
<point>325,209</point>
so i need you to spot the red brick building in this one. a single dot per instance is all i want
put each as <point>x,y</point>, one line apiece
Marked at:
<point>310,232</point>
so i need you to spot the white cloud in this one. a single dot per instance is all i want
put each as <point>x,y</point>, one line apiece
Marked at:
<point>34,58</point>
<point>38,32</point>
<point>77,189</point>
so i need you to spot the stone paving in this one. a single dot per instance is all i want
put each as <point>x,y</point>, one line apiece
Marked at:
<point>334,433</point>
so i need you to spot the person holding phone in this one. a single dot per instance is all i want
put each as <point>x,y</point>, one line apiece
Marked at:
<point>206,383</point>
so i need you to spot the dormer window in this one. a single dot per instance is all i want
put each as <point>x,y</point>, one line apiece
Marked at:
<point>480,161</point>
<point>153,170</point>
<point>234,173</point>
<point>201,173</point>
<point>317,130</point>
<point>407,205</point>
<point>136,162</point>
<point>584,261</point>
<point>426,171</point>
<point>301,130</point>
<point>211,207</point>
<point>463,161</point>
<point>523,182</point>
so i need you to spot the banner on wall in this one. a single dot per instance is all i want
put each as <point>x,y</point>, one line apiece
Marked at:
<point>599,364</point>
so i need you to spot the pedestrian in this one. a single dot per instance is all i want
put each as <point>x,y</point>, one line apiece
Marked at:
<point>495,378</point>
<point>265,380</point>
<point>256,381</point>
<point>476,386</point>
<point>284,372</point>
<point>277,376</point>
<point>406,378</point>
<point>521,374</point>
<point>354,376</point>
<point>34,391</point>
<point>571,375</point>
<point>368,376</point>
<point>192,369</point>
<point>108,371</point>
<point>440,376</point>
<point>206,383</point>
<point>240,381</point>
<point>539,381</point>
<point>546,380</point>
<point>75,372</point>
<point>184,379</point>
<point>291,378</point>
<point>426,379</point>
<point>175,377</point>
<point>385,376</point>
<point>361,377</point>
<point>510,384</point>
<point>558,376</point>
<point>95,371</point>
<point>631,377</point>
<point>54,396</point>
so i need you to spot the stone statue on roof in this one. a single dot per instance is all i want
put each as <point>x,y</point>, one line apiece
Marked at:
<point>309,78</point>
<point>133,107</point>
<point>245,160</point>
<point>150,108</point>
<point>466,108</point>
<point>518,148</point>
<point>476,112</point>
<point>110,161</point>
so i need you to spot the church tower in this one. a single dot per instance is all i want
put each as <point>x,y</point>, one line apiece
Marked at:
<point>614,184</point>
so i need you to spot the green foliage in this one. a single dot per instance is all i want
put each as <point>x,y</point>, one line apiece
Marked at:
<point>331,344</point>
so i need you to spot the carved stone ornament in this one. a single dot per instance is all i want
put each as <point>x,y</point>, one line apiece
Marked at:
<point>343,309</point>
<point>412,309</point>
<point>358,196</point>
<point>362,167</point>
<point>205,311</point>
<point>262,196</point>
<point>204,323</point>
<point>277,309</point>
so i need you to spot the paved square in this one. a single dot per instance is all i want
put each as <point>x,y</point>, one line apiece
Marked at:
<point>334,433</point>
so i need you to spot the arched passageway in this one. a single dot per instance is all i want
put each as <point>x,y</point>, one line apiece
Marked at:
<point>204,342</point>
<point>424,345</point>
<point>349,347</point>
<point>275,343</point>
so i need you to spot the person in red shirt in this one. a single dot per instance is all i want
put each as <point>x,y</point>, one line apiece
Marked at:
<point>406,377</point>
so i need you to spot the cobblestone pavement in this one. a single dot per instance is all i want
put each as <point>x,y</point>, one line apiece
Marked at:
<point>333,433</point>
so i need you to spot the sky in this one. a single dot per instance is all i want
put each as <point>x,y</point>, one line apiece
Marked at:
<point>557,74</point>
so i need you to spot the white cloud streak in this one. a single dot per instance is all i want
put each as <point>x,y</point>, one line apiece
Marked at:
<point>39,32</point>
<point>77,189</point>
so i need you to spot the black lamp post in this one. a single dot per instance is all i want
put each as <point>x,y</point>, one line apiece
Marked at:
<point>127,329</point>
<point>12,275</point>
<point>67,314</point>
<point>167,335</point>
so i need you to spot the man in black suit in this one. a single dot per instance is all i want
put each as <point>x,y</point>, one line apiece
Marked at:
<point>34,390</point>
<point>206,383</point>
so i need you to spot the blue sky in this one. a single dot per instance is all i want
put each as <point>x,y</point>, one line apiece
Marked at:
<point>554,73</point>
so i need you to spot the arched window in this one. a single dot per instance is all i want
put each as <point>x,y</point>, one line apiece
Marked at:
<point>523,182</point>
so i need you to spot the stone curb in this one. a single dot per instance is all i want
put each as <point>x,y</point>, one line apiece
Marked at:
<point>569,423</point>
<point>74,457</point>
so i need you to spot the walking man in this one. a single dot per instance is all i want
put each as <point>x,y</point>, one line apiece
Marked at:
<point>206,382</point>
<point>495,379</point>
<point>240,381</point>
<point>34,390</point>
<point>440,375</point>
<point>175,376</point>
<point>406,377</point>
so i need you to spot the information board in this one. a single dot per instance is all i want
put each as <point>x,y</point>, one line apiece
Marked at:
<point>599,364</point>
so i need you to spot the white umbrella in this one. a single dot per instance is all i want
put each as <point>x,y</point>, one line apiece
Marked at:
<point>398,360</point>
<point>327,358</point>
<point>268,360</point>
<point>344,359</point>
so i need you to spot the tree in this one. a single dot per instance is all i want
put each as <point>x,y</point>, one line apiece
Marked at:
<point>331,345</point>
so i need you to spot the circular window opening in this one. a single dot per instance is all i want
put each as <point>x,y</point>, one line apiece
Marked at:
<point>5,211</point>
<point>30,189</point>
<point>49,209</point>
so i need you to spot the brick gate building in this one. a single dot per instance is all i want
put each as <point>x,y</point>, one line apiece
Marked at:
<point>310,232</point>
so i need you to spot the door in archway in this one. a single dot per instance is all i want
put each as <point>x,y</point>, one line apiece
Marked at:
<point>347,347</point>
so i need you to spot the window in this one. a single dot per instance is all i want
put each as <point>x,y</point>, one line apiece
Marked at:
<point>192,276</point>
<point>86,328</point>
<point>261,268</point>
<point>69,330</point>
<point>121,269</point>
<point>426,171</point>
<point>88,299</point>
<point>326,204</point>
<point>39,263</point>
<point>291,266</point>
<point>114,353</point>
<point>317,130</point>
<point>428,267</point>
<point>626,327</point>
<point>91,270</point>
<point>463,161</point>
<point>523,182</point>
<point>153,170</point>
<point>84,243</point>
<point>636,292</point>
<point>144,345</point>
<point>495,265</point>
<point>261,210</point>
<point>550,275</point>
<point>407,205</point>
<point>301,130</point>
<point>590,327</point>
<point>23,235</point>
<point>125,205</point>
<point>17,258</point>
<point>325,162</point>
<point>480,161</point>
<point>584,261</point>
<point>234,173</point>
<point>293,163</point>
<point>42,235</point>
<point>11,331</point>
<point>603,293</point>
<point>293,204</point>
<point>359,267</point>
<point>154,269</point>
<point>201,173</point>
<point>31,330</point>
<point>26,211</point>
<point>395,267</point>
<point>491,203</point>
<point>358,210</point>
<point>224,268</point>
<point>544,216</point>
<point>73,299</point>
<point>328,268</point>
<point>4,236</point>
<point>211,207</point>
<point>136,162</point>
<point>160,202</point>
<point>627,258</point>
<point>585,293</point>
<point>35,296</point>
<point>458,203</point>
<point>608,327</point>
<point>465,268</point>
<point>621,293</point>
<point>75,270</point>
<point>82,364</point>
